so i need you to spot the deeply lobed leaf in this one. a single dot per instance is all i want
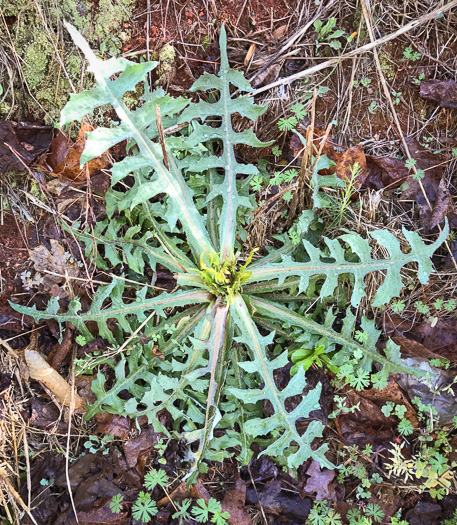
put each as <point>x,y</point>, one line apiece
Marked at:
<point>282,420</point>
<point>319,264</point>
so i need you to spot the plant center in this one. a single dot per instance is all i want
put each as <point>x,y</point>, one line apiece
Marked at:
<point>224,278</point>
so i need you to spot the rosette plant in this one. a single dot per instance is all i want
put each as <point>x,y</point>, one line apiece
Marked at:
<point>181,199</point>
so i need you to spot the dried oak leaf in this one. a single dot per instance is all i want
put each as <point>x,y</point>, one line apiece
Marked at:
<point>46,415</point>
<point>65,157</point>
<point>55,261</point>
<point>432,166</point>
<point>93,480</point>
<point>320,482</point>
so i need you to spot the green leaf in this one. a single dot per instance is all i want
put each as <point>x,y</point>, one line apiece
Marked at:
<point>154,477</point>
<point>118,309</point>
<point>115,504</point>
<point>318,265</point>
<point>391,363</point>
<point>144,508</point>
<point>282,420</point>
<point>222,110</point>
<point>138,376</point>
<point>134,125</point>
<point>374,510</point>
<point>217,346</point>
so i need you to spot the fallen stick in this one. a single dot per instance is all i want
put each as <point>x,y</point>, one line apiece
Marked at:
<point>363,49</point>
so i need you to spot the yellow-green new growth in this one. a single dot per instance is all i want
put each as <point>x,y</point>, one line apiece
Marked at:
<point>224,278</point>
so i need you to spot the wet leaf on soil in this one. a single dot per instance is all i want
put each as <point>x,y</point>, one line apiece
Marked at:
<point>22,140</point>
<point>368,425</point>
<point>320,482</point>
<point>443,92</point>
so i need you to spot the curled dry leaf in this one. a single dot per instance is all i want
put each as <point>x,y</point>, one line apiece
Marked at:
<point>249,54</point>
<point>270,74</point>
<point>65,156</point>
<point>40,370</point>
<point>55,261</point>
<point>344,161</point>
<point>423,339</point>
<point>280,32</point>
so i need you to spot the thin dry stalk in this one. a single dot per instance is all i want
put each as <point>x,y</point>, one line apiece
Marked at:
<point>366,13</point>
<point>363,49</point>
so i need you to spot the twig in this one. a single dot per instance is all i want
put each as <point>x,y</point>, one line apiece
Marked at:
<point>363,49</point>
<point>292,40</point>
<point>17,497</point>
<point>258,498</point>
<point>307,154</point>
<point>67,451</point>
<point>127,341</point>
<point>28,471</point>
<point>12,352</point>
<point>162,137</point>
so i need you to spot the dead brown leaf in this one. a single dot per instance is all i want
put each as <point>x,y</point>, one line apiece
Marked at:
<point>22,141</point>
<point>389,172</point>
<point>385,171</point>
<point>443,92</point>
<point>56,261</point>
<point>280,32</point>
<point>392,392</point>
<point>431,164</point>
<point>320,482</point>
<point>114,425</point>
<point>46,415</point>
<point>442,206</point>
<point>413,348</point>
<point>440,339</point>
<point>368,425</point>
<point>65,156</point>
<point>136,450</point>
<point>100,514</point>
<point>279,503</point>
<point>344,161</point>
<point>270,74</point>
<point>234,503</point>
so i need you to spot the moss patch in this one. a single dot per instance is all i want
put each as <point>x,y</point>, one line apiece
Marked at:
<point>43,87</point>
